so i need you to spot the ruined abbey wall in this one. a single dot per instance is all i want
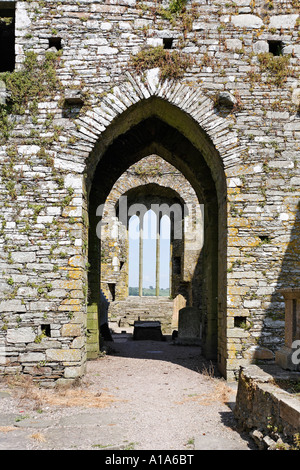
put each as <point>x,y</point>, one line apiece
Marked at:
<point>233,94</point>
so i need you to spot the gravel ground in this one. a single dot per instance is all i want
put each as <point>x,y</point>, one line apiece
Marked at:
<point>141,395</point>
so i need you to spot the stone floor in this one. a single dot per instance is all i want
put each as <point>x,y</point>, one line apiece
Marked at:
<point>141,395</point>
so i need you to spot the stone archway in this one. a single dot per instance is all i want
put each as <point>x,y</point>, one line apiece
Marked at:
<point>200,148</point>
<point>150,184</point>
<point>153,175</point>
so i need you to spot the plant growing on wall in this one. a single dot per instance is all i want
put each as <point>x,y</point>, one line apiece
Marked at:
<point>36,80</point>
<point>177,6</point>
<point>277,68</point>
<point>172,64</point>
<point>25,87</point>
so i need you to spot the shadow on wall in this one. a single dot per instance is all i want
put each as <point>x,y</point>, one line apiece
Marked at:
<point>272,336</point>
<point>103,318</point>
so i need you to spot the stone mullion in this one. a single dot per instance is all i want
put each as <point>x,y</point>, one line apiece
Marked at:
<point>141,256</point>
<point>157,267</point>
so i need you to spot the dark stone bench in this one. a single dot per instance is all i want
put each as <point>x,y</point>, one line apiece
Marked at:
<point>147,330</point>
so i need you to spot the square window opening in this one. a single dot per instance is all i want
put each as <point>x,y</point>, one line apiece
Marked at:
<point>46,330</point>
<point>276,47</point>
<point>71,108</point>
<point>264,239</point>
<point>167,43</point>
<point>55,42</point>
<point>7,37</point>
<point>239,322</point>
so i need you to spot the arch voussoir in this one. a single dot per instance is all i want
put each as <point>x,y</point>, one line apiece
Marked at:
<point>192,101</point>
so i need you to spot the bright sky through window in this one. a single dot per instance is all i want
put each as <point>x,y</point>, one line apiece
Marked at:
<point>149,251</point>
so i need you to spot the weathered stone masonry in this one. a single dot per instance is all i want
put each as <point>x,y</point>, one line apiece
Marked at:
<point>230,125</point>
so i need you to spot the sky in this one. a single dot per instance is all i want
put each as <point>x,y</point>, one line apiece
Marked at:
<point>149,251</point>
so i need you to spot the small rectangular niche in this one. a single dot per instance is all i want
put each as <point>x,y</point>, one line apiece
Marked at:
<point>275,47</point>
<point>71,110</point>
<point>55,42</point>
<point>264,239</point>
<point>240,322</point>
<point>167,43</point>
<point>72,104</point>
<point>46,330</point>
<point>7,36</point>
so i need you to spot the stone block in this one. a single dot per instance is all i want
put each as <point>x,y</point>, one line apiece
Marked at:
<point>92,323</point>
<point>290,412</point>
<point>247,21</point>
<point>238,333</point>
<point>74,372</point>
<point>41,305</point>
<point>226,99</point>
<point>34,357</point>
<point>106,50</point>
<point>73,181</point>
<point>154,42</point>
<point>63,355</point>
<point>22,19</point>
<point>71,329</point>
<point>65,284</point>
<point>68,306</point>
<point>78,342</point>
<point>259,353</point>
<point>287,359</point>
<point>14,306</point>
<point>189,323</point>
<point>20,335</point>
<point>76,261</point>
<point>92,336</point>
<point>292,49</point>
<point>233,44</point>
<point>260,47</point>
<point>252,303</point>
<point>202,25</point>
<point>23,257</point>
<point>283,21</point>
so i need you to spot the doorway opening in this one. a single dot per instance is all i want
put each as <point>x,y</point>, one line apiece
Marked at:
<point>147,230</point>
<point>197,264</point>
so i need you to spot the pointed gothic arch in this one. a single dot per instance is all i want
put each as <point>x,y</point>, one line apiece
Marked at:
<point>181,125</point>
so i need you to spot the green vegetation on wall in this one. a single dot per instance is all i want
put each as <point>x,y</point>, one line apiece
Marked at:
<point>277,68</point>
<point>26,87</point>
<point>172,64</point>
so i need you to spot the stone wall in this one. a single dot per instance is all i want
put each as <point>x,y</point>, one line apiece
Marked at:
<point>123,313</point>
<point>232,103</point>
<point>267,408</point>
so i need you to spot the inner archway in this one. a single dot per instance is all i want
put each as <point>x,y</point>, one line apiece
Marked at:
<point>201,165</point>
<point>151,240</point>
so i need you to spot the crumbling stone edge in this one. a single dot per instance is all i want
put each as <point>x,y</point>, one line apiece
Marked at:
<point>267,412</point>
